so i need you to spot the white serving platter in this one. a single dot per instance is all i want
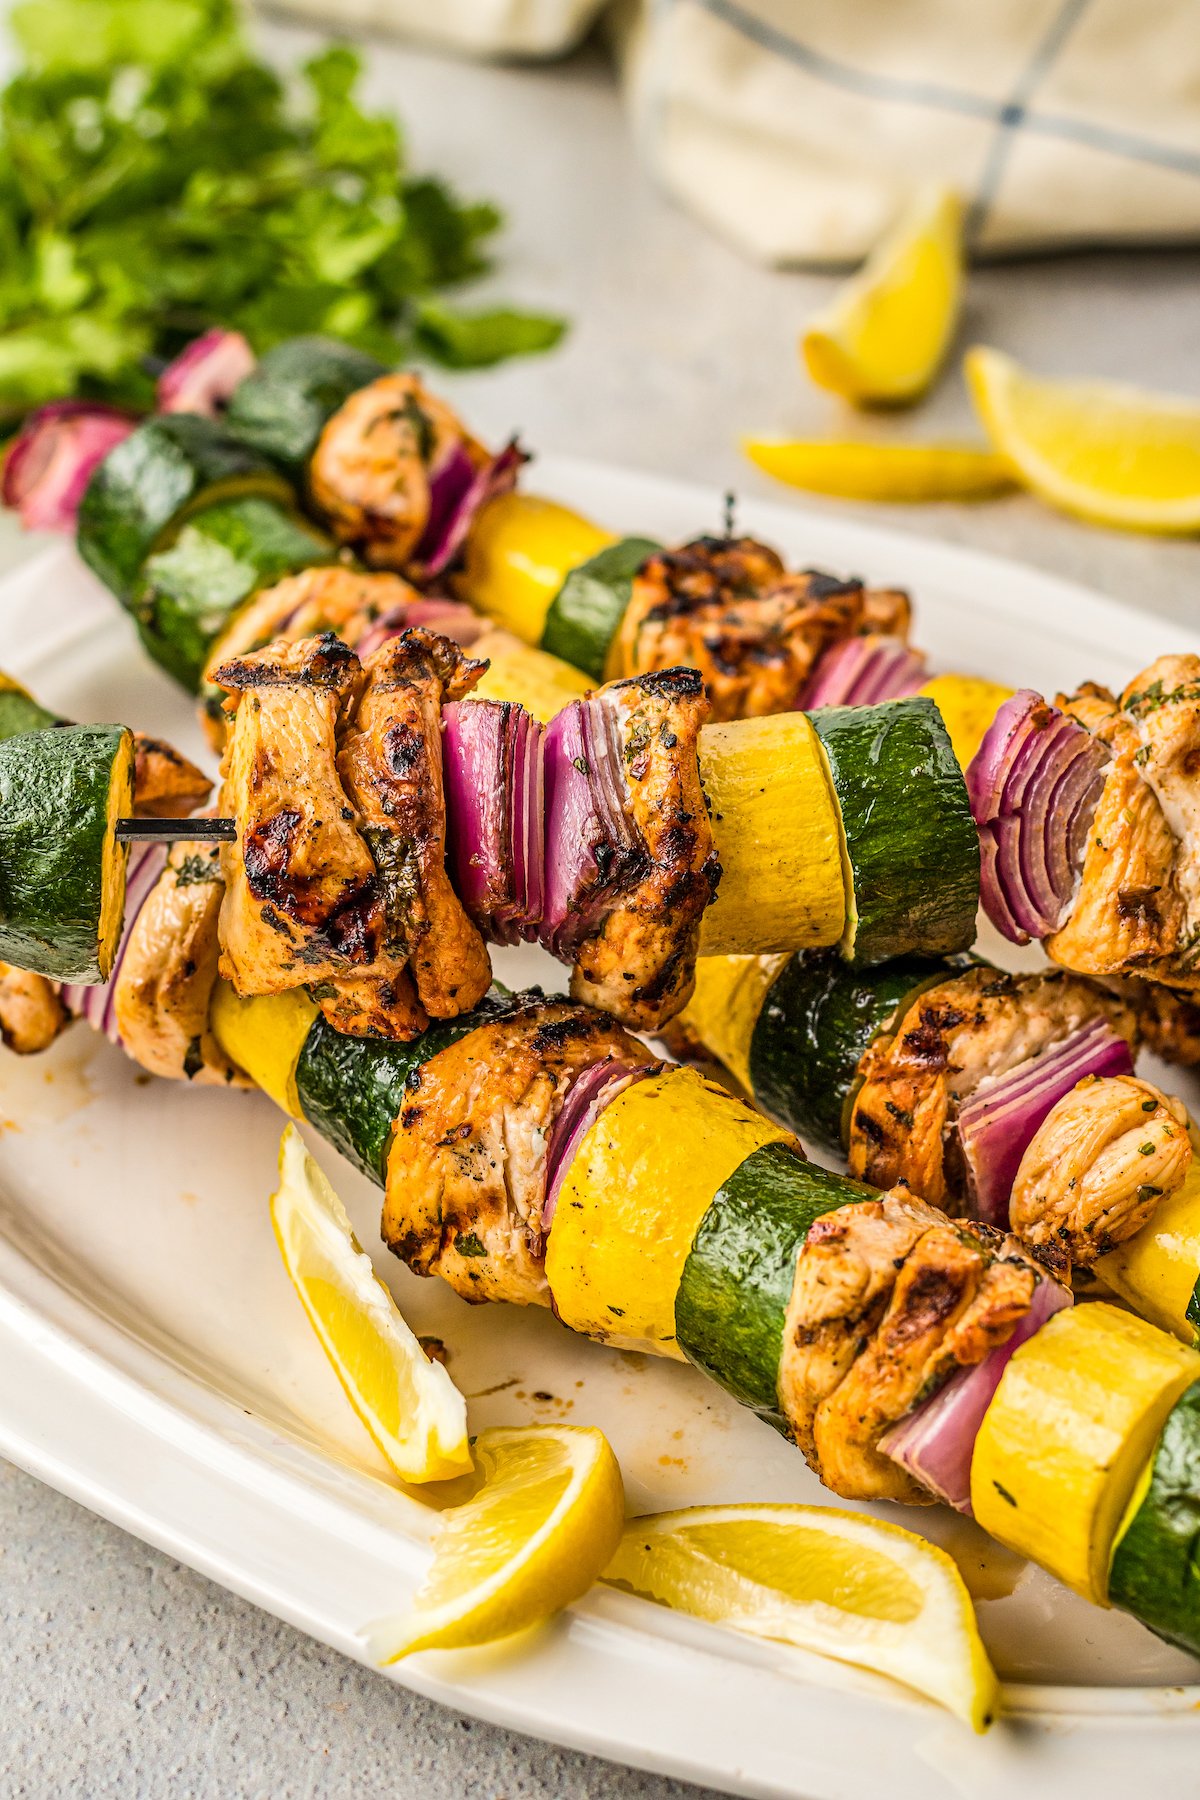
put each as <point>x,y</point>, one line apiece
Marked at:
<point>155,1365</point>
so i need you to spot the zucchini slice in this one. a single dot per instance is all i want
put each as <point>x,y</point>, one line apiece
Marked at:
<point>353,1089</point>
<point>62,871</point>
<point>283,405</point>
<point>19,711</point>
<point>590,604</point>
<point>737,1280</point>
<point>170,467</point>
<point>910,848</point>
<point>818,1019</point>
<point>190,590</point>
<point>1154,1571</point>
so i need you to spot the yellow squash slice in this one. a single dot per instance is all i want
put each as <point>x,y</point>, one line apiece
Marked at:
<point>519,553</point>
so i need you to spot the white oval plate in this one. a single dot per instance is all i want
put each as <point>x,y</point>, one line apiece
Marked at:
<point>154,1363</point>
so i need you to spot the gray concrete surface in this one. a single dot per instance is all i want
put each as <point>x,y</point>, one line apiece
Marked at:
<point>125,1674</point>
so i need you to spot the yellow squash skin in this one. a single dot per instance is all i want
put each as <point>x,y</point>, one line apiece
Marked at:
<point>541,683</point>
<point>520,551</point>
<point>632,1202</point>
<point>776,828</point>
<point>116,857</point>
<point>1156,1270</point>
<point>1068,1434</point>
<point>264,1035</point>
<point>968,704</point>
<point>724,1008</point>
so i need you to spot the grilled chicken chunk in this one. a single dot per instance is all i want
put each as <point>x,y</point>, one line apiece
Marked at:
<point>390,764</point>
<point>889,1300</point>
<point>639,961</point>
<point>466,1176</point>
<point>165,784</point>
<point>370,472</point>
<point>728,607</point>
<point>1098,1167</point>
<point>302,902</point>
<point>31,1013</point>
<point>1169,1022</point>
<point>972,1028</point>
<point>163,990</point>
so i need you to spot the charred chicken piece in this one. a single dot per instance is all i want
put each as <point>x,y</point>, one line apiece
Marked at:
<point>1098,1167</point>
<point>168,969</point>
<point>466,1176</point>
<point>728,607</point>
<point>390,764</point>
<point>889,1300</point>
<point>370,472</point>
<point>31,1013</point>
<point>636,956</point>
<point>165,784</point>
<point>976,1026</point>
<point>302,903</point>
<point>1169,1022</point>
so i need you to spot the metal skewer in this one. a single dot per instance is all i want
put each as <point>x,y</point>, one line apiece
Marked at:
<point>177,831</point>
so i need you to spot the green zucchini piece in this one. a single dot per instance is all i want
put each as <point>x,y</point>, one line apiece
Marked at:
<point>168,468</point>
<point>818,1020</point>
<point>737,1280</point>
<point>62,871</point>
<point>354,1089</point>
<point>282,407</point>
<point>909,844</point>
<point>1156,1565</point>
<point>190,590</point>
<point>590,604</point>
<point>19,711</point>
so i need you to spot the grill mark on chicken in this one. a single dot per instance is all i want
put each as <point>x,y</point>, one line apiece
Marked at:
<point>390,763</point>
<point>728,608</point>
<point>970,1029</point>
<point>638,959</point>
<point>466,1174</point>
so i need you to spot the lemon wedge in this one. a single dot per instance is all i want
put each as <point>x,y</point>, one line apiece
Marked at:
<point>825,1580</point>
<point>882,340</point>
<point>543,1523</point>
<point>854,470</point>
<point>1111,453</point>
<point>409,1404</point>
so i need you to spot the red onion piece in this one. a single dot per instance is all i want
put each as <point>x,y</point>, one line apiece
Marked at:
<point>863,670</point>
<point>1000,1120</point>
<point>492,763</point>
<point>589,833</point>
<point>203,376</point>
<point>53,457</point>
<point>936,1441</point>
<point>585,1100</point>
<point>448,617</point>
<point>457,491</point>
<point>1033,784</point>
<point>96,1003</point>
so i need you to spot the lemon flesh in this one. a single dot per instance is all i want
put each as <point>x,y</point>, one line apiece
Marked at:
<point>883,338</point>
<point>409,1404</point>
<point>1111,453</point>
<point>854,470</point>
<point>825,1580</point>
<point>542,1525</point>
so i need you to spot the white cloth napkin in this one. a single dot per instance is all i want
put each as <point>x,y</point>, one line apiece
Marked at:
<point>798,127</point>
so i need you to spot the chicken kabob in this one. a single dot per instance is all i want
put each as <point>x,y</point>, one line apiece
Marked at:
<point>196,510</point>
<point>602,836</point>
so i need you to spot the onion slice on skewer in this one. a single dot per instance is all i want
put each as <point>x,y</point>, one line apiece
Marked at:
<point>53,457</point>
<point>861,671</point>
<point>492,768</point>
<point>97,1003</point>
<point>590,836</point>
<point>1000,1120</point>
<point>457,491</point>
<point>936,1441</point>
<point>585,1100</point>
<point>1034,784</point>
<point>203,376</point>
<point>451,618</point>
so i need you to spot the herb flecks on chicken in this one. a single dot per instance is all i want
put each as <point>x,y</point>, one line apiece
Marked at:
<point>729,608</point>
